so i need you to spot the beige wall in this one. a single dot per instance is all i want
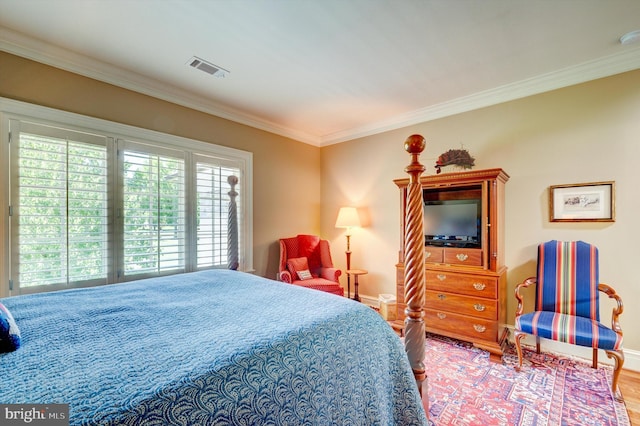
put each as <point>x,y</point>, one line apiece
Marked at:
<point>585,133</point>
<point>286,191</point>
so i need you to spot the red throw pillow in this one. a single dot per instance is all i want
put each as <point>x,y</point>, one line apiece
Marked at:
<point>296,264</point>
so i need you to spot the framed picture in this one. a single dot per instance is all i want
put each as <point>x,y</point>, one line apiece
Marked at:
<point>582,202</point>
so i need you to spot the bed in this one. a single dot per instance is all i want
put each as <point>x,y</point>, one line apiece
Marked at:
<point>212,347</point>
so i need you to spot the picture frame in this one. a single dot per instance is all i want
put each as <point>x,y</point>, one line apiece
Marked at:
<point>582,202</point>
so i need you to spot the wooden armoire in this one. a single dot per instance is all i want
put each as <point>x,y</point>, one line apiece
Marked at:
<point>465,272</point>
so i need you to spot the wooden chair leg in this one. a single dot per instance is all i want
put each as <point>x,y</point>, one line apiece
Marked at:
<point>618,357</point>
<point>537,344</point>
<point>595,358</point>
<point>518,335</point>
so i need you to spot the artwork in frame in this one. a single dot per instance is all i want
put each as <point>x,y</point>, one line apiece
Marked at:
<point>582,202</point>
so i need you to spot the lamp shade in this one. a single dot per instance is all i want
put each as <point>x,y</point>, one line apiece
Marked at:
<point>347,218</point>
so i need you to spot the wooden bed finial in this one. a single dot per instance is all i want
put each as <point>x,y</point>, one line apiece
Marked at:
<point>414,275</point>
<point>232,230</point>
<point>414,145</point>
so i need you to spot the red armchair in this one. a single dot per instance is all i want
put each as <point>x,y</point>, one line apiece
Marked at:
<point>305,260</point>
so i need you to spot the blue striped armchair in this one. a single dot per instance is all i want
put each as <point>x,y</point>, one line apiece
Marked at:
<point>567,303</point>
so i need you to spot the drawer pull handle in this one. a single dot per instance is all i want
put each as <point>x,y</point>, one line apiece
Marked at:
<point>441,315</point>
<point>479,307</point>
<point>442,296</point>
<point>427,255</point>
<point>479,328</point>
<point>479,286</point>
<point>441,277</point>
<point>462,257</point>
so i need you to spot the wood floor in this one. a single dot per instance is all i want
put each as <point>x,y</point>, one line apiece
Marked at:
<point>629,384</point>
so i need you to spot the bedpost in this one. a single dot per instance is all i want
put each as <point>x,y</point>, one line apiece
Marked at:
<point>414,276</point>
<point>232,225</point>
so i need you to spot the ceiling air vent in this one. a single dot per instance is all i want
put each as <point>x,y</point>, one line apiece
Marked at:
<point>207,67</point>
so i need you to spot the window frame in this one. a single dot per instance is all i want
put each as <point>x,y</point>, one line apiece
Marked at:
<point>59,136</point>
<point>17,110</point>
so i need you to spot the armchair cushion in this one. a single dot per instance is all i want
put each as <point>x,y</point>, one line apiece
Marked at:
<point>322,285</point>
<point>569,329</point>
<point>296,264</point>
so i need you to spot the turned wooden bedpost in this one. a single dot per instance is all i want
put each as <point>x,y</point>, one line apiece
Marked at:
<point>414,276</point>
<point>232,223</point>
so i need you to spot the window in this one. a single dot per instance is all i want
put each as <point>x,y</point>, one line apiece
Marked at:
<point>212,212</point>
<point>59,218</point>
<point>93,202</point>
<point>153,212</point>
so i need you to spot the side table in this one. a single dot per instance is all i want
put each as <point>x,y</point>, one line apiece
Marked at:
<point>356,273</point>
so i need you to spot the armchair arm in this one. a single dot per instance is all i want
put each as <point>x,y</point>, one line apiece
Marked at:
<point>523,284</point>
<point>285,276</point>
<point>609,291</point>
<point>330,274</point>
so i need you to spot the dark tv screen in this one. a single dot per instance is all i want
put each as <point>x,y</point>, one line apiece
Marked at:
<point>452,220</point>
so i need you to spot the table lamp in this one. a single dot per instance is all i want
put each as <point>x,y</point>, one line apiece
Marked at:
<point>348,218</point>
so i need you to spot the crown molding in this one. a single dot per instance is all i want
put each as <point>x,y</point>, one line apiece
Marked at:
<point>39,51</point>
<point>627,60</point>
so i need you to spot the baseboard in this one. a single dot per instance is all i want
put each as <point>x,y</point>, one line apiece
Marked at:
<point>369,300</point>
<point>631,357</point>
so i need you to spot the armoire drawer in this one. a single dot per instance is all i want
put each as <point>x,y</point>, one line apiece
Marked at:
<point>465,305</point>
<point>463,256</point>
<point>446,322</point>
<point>433,254</point>
<point>472,285</point>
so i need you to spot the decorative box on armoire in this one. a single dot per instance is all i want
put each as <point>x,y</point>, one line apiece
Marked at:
<point>464,257</point>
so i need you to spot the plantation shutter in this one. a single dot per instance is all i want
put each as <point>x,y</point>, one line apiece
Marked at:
<point>92,202</point>
<point>212,210</point>
<point>60,208</point>
<point>153,210</point>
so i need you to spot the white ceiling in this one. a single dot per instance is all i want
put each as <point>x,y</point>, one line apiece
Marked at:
<point>326,71</point>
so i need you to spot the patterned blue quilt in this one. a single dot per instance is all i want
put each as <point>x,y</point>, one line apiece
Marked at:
<point>208,348</point>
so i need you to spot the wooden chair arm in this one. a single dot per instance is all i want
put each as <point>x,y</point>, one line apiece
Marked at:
<point>617,311</point>
<point>523,284</point>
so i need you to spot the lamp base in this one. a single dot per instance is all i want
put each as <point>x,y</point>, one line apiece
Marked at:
<point>348,253</point>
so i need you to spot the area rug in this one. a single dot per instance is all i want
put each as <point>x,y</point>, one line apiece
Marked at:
<point>464,388</point>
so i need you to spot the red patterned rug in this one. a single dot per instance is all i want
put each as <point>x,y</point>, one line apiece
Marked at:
<point>466,389</point>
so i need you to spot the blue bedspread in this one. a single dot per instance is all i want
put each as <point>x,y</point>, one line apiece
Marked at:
<point>208,348</point>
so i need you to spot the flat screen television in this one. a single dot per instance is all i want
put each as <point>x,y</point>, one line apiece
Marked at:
<point>453,223</point>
